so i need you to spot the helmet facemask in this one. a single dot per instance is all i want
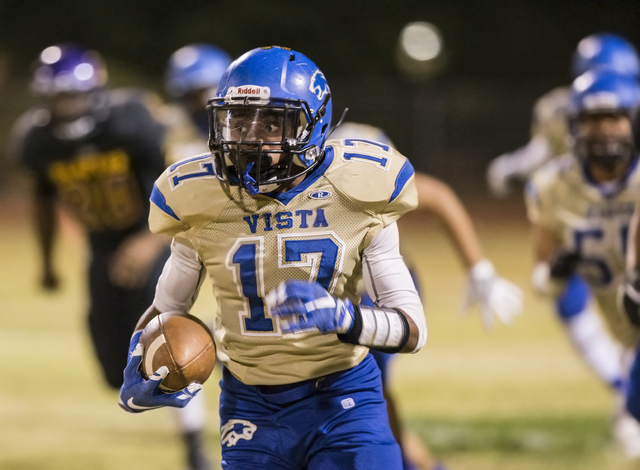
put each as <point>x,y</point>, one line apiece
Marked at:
<point>262,146</point>
<point>607,150</point>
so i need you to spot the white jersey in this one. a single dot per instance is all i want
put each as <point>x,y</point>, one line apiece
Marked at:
<point>592,220</point>
<point>183,138</point>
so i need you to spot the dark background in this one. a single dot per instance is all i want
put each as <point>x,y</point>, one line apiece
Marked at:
<point>499,56</point>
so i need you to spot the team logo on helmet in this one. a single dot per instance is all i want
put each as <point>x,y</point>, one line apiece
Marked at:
<point>318,85</point>
<point>229,436</point>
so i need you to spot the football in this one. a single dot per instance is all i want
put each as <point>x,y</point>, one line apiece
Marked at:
<point>181,342</point>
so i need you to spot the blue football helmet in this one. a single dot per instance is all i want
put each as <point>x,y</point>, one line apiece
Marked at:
<point>194,67</point>
<point>68,68</point>
<point>603,93</point>
<point>605,51</point>
<point>272,104</point>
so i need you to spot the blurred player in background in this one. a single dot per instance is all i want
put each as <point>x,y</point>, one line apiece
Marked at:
<point>192,78</point>
<point>552,139</point>
<point>550,136</point>
<point>273,210</point>
<point>98,152</point>
<point>495,296</point>
<point>580,206</point>
<point>630,297</point>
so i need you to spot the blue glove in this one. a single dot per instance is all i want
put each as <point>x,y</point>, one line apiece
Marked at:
<point>138,395</point>
<point>303,305</point>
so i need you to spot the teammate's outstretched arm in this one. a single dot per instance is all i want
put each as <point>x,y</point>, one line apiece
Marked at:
<point>396,325</point>
<point>494,295</point>
<point>517,165</point>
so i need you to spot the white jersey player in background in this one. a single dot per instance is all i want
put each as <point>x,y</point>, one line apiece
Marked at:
<point>580,207</point>
<point>550,137</point>
<point>495,296</point>
<point>191,79</point>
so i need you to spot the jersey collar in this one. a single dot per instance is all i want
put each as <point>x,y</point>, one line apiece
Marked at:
<point>287,196</point>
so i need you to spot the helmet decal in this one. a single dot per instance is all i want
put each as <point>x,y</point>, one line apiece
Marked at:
<point>318,85</point>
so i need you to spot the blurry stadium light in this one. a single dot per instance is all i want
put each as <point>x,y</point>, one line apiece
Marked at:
<point>51,55</point>
<point>421,41</point>
<point>83,71</point>
<point>419,51</point>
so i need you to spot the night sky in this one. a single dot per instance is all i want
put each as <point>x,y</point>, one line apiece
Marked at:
<point>499,56</point>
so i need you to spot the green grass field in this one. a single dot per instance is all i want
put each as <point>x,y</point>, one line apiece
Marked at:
<point>512,398</point>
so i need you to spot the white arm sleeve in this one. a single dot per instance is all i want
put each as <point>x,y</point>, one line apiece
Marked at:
<point>389,282</point>
<point>180,281</point>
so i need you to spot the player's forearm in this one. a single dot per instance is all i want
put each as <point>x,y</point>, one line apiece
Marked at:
<point>178,285</point>
<point>545,243</point>
<point>391,287</point>
<point>414,336</point>
<point>146,317</point>
<point>438,198</point>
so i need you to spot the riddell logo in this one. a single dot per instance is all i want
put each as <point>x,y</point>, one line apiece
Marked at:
<point>248,90</point>
<point>255,93</point>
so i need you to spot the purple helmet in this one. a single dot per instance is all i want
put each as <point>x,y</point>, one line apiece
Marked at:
<point>68,68</point>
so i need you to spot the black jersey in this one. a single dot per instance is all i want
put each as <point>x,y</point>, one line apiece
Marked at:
<point>104,177</point>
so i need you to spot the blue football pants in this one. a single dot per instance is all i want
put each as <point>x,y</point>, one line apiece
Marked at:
<point>335,424</point>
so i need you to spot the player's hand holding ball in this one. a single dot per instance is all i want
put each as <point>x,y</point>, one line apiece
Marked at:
<point>306,305</point>
<point>168,362</point>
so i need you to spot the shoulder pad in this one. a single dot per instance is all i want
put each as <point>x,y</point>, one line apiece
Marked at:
<point>553,103</point>
<point>374,176</point>
<point>187,194</point>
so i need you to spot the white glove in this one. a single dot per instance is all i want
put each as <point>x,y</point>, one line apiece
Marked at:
<point>494,295</point>
<point>499,176</point>
<point>542,282</point>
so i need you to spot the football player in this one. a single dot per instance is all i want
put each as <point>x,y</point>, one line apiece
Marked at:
<point>495,296</point>
<point>549,133</point>
<point>192,78</point>
<point>286,226</point>
<point>580,206</point>
<point>98,152</point>
<point>551,138</point>
<point>630,296</point>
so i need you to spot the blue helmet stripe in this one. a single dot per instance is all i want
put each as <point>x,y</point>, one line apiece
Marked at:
<point>405,173</point>
<point>159,200</point>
